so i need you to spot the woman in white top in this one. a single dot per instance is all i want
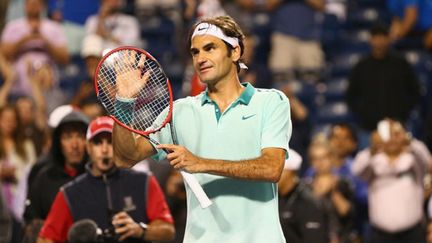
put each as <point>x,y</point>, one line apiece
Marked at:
<point>17,155</point>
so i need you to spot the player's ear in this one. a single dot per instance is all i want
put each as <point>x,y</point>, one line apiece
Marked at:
<point>236,53</point>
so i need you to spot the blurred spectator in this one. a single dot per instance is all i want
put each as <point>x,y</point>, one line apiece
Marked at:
<point>7,76</point>
<point>381,85</point>
<point>17,155</point>
<point>85,97</point>
<point>343,139</point>
<point>5,220</point>
<point>110,196</point>
<point>33,40</point>
<point>295,41</point>
<point>337,8</point>
<point>427,135</point>
<point>115,28</point>
<point>335,192</point>
<point>411,17</point>
<point>75,11</point>
<point>64,162</point>
<point>33,120</point>
<point>3,9</point>
<point>429,216</point>
<point>45,92</point>
<point>394,167</point>
<point>405,15</point>
<point>300,119</point>
<point>176,195</point>
<point>209,8</point>
<point>152,6</point>
<point>303,217</point>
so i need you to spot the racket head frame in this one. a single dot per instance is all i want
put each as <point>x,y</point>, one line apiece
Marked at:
<point>148,55</point>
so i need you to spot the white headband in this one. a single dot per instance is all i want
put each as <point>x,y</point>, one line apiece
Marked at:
<point>210,29</point>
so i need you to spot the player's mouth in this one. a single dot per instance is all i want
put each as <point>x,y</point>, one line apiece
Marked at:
<point>204,69</point>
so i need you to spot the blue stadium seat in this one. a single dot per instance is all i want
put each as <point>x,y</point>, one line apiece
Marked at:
<point>331,112</point>
<point>419,59</point>
<point>261,30</point>
<point>409,42</point>
<point>363,17</point>
<point>330,37</point>
<point>378,4</point>
<point>341,65</point>
<point>355,41</point>
<point>159,35</point>
<point>72,74</point>
<point>333,89</point>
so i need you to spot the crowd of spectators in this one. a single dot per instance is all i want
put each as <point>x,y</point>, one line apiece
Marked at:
<point>358,172</point>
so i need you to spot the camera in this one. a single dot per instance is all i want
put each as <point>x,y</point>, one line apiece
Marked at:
<point>108,236</point>
<point>87,231</point>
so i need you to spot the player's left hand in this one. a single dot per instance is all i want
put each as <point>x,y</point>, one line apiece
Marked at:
<point>126,227</point>
<point>181,158</point>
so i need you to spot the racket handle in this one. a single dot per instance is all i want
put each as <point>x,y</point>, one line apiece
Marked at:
<point>196,189</point>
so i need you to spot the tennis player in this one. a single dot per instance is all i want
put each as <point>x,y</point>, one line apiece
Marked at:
<point>233,137</point>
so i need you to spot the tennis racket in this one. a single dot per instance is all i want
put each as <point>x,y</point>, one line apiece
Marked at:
<point>136,93</point>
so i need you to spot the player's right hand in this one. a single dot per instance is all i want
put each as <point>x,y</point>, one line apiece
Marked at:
<point>129,77</point>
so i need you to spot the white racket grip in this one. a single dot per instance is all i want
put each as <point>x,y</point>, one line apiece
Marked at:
<point>196,189</point>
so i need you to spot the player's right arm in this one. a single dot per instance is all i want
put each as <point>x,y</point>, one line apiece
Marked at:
<point>129,148</point>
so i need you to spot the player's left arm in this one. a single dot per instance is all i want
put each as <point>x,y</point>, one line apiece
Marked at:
<point>268,166</point>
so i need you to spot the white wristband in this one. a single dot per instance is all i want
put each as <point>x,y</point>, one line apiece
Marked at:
<point>125,99</point>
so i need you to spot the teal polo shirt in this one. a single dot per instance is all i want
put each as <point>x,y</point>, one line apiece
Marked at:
<point>243,211</point>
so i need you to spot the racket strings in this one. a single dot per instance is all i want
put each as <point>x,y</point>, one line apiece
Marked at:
<point>142,112</point>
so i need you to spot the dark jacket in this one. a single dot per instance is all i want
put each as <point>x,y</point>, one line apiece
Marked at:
<point>99,198</point>
<point>303,217</point>
<point>5,221</point>
<point>380,88</point>
<point>48,174</point>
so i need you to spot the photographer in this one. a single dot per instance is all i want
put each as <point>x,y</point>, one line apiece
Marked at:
<point>127,205</point>
<point>394,167</point>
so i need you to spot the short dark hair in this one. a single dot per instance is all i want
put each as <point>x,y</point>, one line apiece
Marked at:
<point>379,29</point>
<point>347,126</point>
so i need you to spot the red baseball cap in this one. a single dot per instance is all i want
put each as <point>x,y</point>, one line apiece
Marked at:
<point>98,125</point>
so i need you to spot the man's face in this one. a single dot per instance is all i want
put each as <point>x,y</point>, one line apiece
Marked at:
<point>100,150</point>
<point>211,59</point>
<point>380,43</point>
<point>25,110</point>
<point>342,141</point>
<point>73,145</point>
<point>8,121</point>
<point>34,8</point>
<point>398,138</point>
<point>321,159</point>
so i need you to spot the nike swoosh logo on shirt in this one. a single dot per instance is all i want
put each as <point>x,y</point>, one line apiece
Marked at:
<point>247,117</point>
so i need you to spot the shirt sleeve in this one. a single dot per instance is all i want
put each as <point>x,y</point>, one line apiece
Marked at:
<point>157,208</point>
<point>56,34</point>
<point>12,33</point>
<point>277,127</point>
<point>361,166</point>
<point>58,221</point>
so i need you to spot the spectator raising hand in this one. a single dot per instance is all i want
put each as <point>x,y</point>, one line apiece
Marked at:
<point>7,74</point>
<point>32,38</point>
